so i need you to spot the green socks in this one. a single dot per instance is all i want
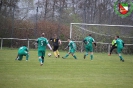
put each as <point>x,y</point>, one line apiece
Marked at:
<point>42,59</point>
<point>91,57</point>
<point>121,58</point>
<point>66,55</point>
<point>74,57</point>
<point>27,56</point>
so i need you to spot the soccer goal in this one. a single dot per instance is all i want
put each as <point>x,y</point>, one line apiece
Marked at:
<point>103,35</point>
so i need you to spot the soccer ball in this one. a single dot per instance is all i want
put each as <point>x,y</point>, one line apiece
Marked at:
<point>49,54</point>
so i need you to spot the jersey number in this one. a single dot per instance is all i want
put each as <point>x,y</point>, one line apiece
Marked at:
<point>41,43</point>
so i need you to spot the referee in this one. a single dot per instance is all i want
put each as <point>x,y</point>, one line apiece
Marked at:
<point>56,42</point>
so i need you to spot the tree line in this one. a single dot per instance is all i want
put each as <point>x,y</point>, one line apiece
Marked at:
<point>28,18</point>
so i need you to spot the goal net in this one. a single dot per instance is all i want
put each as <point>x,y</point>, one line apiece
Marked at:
<point>103,35</point>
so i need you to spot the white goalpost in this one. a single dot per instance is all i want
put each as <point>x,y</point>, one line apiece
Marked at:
<point>102,33</point>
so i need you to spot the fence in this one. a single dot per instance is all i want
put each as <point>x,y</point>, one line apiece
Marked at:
<point>101,47</point>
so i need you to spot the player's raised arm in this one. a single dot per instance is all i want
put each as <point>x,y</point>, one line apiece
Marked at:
<point>49,46</point>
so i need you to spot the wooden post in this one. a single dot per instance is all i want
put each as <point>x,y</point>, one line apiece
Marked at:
<point>1,43</point>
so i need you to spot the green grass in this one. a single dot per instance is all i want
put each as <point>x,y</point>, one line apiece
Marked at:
<point>103,72</point>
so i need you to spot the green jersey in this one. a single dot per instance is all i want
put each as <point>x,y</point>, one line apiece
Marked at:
<point>22,49</point>
<point>88,41</point>
<point>119,43</point>
<point>72,45</point>
<point>42,42</point>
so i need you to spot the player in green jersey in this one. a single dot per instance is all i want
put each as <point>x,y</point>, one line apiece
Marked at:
<point>22,51</point>
<point>42,42</point>
<point>112,47</point>
<point>72,49</point>
<point>88,41</point>
<point>120,45</point>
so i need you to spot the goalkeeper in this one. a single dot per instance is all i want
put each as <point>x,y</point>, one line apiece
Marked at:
<point>72,49</point>
<point>113,47</point>
<point>88,41</point>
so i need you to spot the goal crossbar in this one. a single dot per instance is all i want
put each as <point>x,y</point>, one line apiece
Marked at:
<point>103,25</point>
<point>108,25</point>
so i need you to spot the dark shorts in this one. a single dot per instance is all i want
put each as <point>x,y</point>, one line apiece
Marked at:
<point>55,48</point>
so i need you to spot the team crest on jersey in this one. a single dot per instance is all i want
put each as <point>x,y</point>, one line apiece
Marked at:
<point>123,9</point>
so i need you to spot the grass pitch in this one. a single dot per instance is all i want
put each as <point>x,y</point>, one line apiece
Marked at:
<point>103,72</point>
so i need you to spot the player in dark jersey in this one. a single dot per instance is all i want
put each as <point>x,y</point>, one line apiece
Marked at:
<point>56,42</point>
